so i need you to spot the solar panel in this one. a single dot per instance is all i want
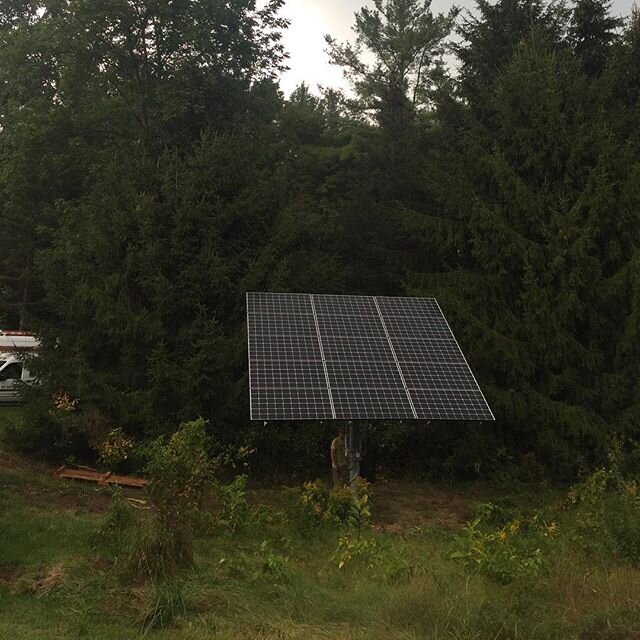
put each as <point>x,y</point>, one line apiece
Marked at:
<point>316,357</point>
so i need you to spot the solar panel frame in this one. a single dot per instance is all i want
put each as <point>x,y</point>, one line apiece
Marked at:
<point>356,357</point>
<point>281,347</point>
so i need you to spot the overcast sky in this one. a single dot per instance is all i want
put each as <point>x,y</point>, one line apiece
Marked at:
<point>312,19</point>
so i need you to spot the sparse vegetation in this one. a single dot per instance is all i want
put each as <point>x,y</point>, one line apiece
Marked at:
<point>517,568</point>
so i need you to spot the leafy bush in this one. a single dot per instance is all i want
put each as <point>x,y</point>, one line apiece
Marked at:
<point>180,472</point>
<point>115,448</point>
<point>273,563</point>
<point>45,430</point>
<point>341,506</point>
<point>607,512</point>
<point>350,505</point>
<point>514,550</point>
<point>376,555</point>
<point>236,513</point>
<point>118,524</point>
<point>622,514</point>
<point>310,504</point>
<point>350,548</point>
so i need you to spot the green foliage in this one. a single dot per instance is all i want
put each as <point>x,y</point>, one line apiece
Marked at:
<point>119,526</point>
<point>540,264</point>
<point>593,32</point>
<point>350,505</point>
<point>406,42</point>
<point>516,550</point>
<point>274,564</point>
<point>165,605</point>
<point>115,448</point>
<point>364,550</point>
<point>274,584</point>
<point>153,173</point>
<point>601,516</point>
<point>311,504</point>
<point>235,514</point>
<point>607,512</point>
<point>342,506</point>
<point>180,471</point>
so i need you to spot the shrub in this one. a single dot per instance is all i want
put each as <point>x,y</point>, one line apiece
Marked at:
<point>45,430</point>
<point>236,513</point>
<point>273,564</point>
<point>384,560</point>
<point>180,472</point>
<point>115,448</point>
<point>310,504</point>
<point>514,550</point>
<point>118,524</point>
<point>342,506</point>
<point>350,505</point>
<point>622,515</point>
<point>365,550</point>
<point>607,512</point>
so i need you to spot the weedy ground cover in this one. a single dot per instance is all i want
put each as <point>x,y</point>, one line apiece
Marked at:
<point>532,563</point>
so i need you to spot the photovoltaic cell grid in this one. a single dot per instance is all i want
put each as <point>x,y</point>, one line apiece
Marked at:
<point>316,357</point>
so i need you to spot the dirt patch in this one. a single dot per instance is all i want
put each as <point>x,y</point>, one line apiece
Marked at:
<point>9,575</point>
<point>276,498</point>
<point>43,582</point>
<point>10,461</point>
<point>408,504</point>
<point>49,581</point>
<point>33,482</point>
<point>399,505</point>
<point>71,498</point>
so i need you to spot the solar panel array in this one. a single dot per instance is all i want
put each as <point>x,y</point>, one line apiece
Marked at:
<point>317,357</point>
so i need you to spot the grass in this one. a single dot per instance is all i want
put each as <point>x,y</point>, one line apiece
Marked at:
<point>276,581</point>
<point>9,414</point>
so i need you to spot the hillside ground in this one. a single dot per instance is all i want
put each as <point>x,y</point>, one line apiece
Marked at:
<point>417,572</point>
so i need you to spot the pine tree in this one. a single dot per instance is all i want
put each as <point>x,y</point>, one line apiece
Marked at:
<point>492,33</point>
<point>592,34</point>
<point>551,233</point>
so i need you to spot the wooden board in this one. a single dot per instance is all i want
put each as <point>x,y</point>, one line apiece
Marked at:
<point>103,479</point>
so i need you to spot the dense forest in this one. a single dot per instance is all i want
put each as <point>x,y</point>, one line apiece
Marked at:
<point>153,172</point>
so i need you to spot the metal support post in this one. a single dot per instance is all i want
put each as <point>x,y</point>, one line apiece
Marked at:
<point>354,450</point>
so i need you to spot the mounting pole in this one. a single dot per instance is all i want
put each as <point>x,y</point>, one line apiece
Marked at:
<point>354,446</point>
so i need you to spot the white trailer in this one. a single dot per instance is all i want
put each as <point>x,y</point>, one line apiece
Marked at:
<point>13,372</point>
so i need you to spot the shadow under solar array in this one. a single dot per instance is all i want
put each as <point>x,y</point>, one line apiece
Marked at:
<point>317,357</point>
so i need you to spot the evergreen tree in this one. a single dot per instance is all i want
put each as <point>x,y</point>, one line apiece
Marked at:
<point>84,80</point>
<point>405,42</point>
<point>592,33</point>
<point>552,231</point>
<point>490,36</point>
<point>625,90</point>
